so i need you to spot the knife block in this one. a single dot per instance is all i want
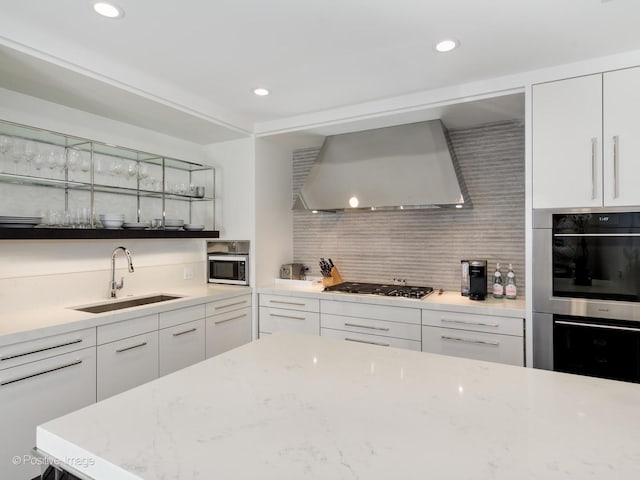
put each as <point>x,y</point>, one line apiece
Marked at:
<point>334,279</point>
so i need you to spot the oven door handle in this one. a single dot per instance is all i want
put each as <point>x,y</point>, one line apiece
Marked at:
<point>595,325</point>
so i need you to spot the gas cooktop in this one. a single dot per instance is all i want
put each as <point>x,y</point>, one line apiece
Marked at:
<point>406,291</point>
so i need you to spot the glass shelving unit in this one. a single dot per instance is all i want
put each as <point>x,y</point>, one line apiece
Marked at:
<point>69,181</point>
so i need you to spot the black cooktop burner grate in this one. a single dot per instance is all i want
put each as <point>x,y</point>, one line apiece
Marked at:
<point>407,291</point>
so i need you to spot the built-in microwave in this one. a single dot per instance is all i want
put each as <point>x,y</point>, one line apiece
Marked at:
<point>228,262</point>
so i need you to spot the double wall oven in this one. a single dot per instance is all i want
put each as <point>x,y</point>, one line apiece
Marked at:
<point>586,289</point>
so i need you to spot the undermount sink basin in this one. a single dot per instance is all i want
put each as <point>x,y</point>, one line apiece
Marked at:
<point>120,304</point>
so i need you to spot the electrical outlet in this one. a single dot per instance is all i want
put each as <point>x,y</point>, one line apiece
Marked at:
<point>188,273</point>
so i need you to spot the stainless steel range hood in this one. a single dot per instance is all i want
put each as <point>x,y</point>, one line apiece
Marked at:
<point>405,166</point>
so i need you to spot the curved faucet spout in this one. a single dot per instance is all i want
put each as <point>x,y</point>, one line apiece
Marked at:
<point>115,286</point>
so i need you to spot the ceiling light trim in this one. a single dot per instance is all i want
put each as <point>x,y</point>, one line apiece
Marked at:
<point>108,10</point>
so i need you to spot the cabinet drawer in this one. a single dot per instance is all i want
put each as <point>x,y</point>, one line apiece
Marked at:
<point>127,328</point>
<point>127,363</point>
<point>32,350</point>
<point>367,310</point>
<point>228,304</point>
<point>180,315</point>
<point>371,339</point>
<point>36,393</point>
<point>384,328</point>
<point>470,321</point>
<point>290,303</point>
<point>228,330</point>
<point>477,345</point>
<point>181,346</point>
<point>276,319</point>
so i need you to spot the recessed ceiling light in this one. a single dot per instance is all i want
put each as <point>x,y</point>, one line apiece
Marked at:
<point>108,10</point>
<point>447,45</point>
<point>261,92</point>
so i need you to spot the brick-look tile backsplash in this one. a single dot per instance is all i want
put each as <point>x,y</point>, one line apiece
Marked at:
<point>425,246</point>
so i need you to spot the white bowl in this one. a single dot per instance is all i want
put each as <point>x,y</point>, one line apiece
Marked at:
<point>193,227</point>
<point>111,223</point>
<point>173,222</point>
<point>112,216</point>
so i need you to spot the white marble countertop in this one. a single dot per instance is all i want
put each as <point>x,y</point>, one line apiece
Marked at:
<point>305,407</point>
<point>28,324</point>
<point>449,301</point>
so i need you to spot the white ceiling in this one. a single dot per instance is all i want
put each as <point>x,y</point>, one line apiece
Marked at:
<point>189,67</point>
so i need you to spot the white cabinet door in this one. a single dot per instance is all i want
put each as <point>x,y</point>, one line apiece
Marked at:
<point>621,137</point>
<point>228,330</point>
<point>477,345</point>
<point>181,346</point>
<point>127,363</point>
<point>35,393</point>
<point>567,143</point>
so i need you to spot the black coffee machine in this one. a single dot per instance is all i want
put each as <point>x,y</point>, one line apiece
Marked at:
<point>477,279</point>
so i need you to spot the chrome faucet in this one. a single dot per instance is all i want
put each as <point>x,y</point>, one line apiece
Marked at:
<point>114,286</point>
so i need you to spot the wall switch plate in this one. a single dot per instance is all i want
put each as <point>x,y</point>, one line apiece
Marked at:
<point>188,273</point>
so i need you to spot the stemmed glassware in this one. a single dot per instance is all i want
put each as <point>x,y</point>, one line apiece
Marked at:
<point>6,145</point>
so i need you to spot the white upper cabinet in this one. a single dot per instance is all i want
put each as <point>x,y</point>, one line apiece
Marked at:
<point>586,150</point>
<point>621,171</point>
<point>567,143</point>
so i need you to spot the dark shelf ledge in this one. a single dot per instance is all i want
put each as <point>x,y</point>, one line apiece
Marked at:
<point>101,233</point>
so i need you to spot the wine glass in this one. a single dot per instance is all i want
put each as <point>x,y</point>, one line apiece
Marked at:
<point>132,169</point>
<point>73,159</point>
<point>39,161</point>
<point>6,145</point>
<point>61,161</point>
<point>85,163</point>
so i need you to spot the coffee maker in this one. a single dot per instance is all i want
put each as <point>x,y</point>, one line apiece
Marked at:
<point>477,279</point>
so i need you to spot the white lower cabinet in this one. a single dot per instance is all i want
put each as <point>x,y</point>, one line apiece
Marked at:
<point>34,393</point>
<point>227,331</point>
<point>382,325</point>
<point>289,313</point>
<point>228,324</point>
<point>181,345</point>
<point>127,363</point>
<point>481,337</point>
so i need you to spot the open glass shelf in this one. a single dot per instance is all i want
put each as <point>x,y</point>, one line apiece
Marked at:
<point>45,173</point>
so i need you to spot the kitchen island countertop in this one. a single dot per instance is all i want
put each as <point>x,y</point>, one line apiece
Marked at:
<point>306,407</point>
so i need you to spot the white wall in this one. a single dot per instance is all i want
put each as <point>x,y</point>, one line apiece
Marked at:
<point>234,162</point>
<point>274,219</point>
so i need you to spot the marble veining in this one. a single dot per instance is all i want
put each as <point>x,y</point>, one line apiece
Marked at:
<point>307,407</point>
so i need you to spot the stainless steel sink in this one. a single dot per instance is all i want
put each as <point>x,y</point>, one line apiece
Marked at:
<point>120,304</point>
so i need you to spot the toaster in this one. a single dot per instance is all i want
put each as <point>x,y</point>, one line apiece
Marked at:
<point>292,271</point>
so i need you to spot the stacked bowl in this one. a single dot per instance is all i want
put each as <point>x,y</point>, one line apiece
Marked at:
<point>173,224</point>
<point>112,220</point>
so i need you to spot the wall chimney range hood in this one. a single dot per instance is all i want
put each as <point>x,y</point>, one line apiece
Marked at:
<point>400,167</point>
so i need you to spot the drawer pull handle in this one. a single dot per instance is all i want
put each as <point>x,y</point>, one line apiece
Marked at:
<point>286,316</point>
<point>120,350</point>
<point>231,304</point>
<point>15,380</point>
<point>228,319</point>
<point>465,340</point>
<point>365,341</point>
<point>383,329</point>
<point>464,322</point>
<point>287,303</point>
<point>73,342</point>
<point>185,332</point>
